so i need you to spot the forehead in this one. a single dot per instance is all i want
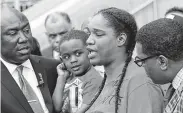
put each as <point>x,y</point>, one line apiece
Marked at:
<point>11,16</point>
<point>56,24</point>
<point>99,22</point>
<point>72,45</point>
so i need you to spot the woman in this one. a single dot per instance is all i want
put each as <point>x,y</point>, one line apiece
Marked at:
<point>127,89</point>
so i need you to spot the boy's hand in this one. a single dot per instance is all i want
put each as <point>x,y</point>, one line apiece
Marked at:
<point>63,73</point>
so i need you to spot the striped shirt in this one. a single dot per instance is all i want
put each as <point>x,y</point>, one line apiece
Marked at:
<point>175,104</point>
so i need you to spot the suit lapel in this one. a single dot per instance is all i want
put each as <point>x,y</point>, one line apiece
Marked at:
<point>41,77</point>
<point>8,81</point>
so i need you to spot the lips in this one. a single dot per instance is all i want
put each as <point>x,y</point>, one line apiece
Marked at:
<point>76,68</point>
<point>24,50</point>
<point>92,52</point>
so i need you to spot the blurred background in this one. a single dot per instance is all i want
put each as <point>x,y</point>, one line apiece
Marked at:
<point>80,10</point>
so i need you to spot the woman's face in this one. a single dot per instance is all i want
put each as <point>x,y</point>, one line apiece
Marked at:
<point>101,42</point>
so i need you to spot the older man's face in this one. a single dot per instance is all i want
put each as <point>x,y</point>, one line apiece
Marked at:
<point>16,36</point>
<point>56,30</point>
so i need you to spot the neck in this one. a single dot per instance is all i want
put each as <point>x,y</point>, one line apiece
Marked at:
<point>115,67</point>
<point>176,68</point>
<point>88,69</point>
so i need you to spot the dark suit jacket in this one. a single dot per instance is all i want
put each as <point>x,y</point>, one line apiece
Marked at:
<point>12,98</point>
<point>47,52</point>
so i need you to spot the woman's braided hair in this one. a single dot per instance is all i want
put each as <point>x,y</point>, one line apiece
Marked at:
<point>122,22</point>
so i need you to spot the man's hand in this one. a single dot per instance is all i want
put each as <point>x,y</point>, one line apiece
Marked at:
<point>63,73</point>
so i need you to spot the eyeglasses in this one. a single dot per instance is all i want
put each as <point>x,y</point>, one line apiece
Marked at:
<point>140,61</point>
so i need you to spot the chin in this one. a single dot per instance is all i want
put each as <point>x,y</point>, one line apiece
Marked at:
<point>161,82</point>
<point>23,58</point>
<point>95,62</point>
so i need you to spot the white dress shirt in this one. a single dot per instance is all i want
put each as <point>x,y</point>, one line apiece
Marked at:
<point>29,74</point>
<point>56,55</point>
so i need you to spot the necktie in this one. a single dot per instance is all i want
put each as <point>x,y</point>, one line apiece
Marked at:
<point>29,92</point>
<point>169,94</point>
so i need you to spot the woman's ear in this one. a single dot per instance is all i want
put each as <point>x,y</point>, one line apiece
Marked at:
<point>163,62</point>
<point>121,39</point>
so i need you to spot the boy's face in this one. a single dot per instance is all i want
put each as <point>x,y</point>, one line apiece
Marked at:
<point>75,56</point>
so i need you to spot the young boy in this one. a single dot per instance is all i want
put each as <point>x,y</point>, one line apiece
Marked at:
<point>78,82</point>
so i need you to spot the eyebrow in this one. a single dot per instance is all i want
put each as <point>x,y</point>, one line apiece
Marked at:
<point>13,27</point>
<point>75,50</point>
<point>97,30</point>
<point>63,32</point>
<point>78,50</point>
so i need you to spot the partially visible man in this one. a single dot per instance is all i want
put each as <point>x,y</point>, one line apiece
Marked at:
<point>175,13</point>
<point>160,52</point>
<point>26,80</point>
<point>56,24</point>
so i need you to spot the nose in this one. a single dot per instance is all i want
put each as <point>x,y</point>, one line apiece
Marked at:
<point>73,59</point>
<point>57,39</point>
<point>90,40</point>
<point>22,37</point>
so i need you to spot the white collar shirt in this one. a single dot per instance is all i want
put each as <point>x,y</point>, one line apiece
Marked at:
<point>29,74</point>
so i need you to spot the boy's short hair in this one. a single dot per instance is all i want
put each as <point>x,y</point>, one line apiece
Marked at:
<point>162,37</point>
<point>75,34</point>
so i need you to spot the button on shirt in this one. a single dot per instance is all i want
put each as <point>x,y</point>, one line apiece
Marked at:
<point>29,74</point>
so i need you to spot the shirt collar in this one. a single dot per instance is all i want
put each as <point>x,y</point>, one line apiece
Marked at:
<point>27,64</point>
<point>88,74</point>
<point>178,79</point>
<point>12,67</point>
<point>56,54</point>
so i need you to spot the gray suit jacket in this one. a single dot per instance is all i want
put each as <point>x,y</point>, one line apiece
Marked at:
<point>47,52</point>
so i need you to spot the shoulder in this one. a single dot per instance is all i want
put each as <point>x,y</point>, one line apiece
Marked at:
<point>93,76</point>
<point>93,79</point>
<point>139,80</point>
<point>45,62</point>
<point>47,51</point>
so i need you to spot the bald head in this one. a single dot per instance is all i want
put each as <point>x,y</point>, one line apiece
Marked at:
<point>57,19</point>
<point>9,12</point>
<point>57,24</point>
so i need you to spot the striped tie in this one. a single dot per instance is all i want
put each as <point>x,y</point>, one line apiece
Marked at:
<point>29,92</point>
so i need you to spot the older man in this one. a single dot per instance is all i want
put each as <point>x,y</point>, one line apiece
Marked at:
<point>56,24</point>
<point>160,52</point>
<point>26,80</point>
